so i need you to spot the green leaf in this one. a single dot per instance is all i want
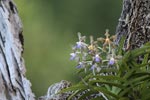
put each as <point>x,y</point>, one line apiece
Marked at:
<point>105,92</point>
<point>106,82</point>
<point>74,94</point>
<point>139,79</point>
<point>124,98</point>
<point>108,70</point>
<point>74,88</point>
<point>125,91</point>
<point>145,60</point>
<point>132,83</point>
<point>110,77</point>
<point>140,51</point>
<point>128,74</point>
<point>87,94</point>
<point>140,74</point>
<point>143,65</point>
<point>120,46</point>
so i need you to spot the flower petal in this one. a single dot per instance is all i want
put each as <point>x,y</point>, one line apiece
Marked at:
<point>97,58</point>
<point>73,56</point>
<point>79,45</point>
<point>93,67</point>
<point>111,61</point>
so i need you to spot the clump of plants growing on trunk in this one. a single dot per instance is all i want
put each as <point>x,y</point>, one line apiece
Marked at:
<point>108,72</point>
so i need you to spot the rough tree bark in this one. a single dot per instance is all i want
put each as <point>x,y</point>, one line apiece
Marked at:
<point>13,83</point>
<point>134,23</point>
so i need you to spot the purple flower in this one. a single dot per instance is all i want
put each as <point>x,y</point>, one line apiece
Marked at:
<point>80,65</point>
<point>111,61</point>
<point>79,45</point>
<point>73,56</point>
<point>97,58</point>
<point>93,67</point>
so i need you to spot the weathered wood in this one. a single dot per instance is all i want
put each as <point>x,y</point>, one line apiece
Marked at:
<point>134,23</point>
<point>13,83</point>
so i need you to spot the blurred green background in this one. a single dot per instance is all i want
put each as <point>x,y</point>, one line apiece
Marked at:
<point>50,29</point>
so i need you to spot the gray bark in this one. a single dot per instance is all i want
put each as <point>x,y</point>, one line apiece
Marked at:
<point>134,23</point>
<point>13,83</point>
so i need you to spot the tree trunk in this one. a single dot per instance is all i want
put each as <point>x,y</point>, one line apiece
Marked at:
<point>134,23</point>
<point>13,83</point>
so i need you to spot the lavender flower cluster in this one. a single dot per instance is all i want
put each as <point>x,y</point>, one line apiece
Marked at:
<point>98,54</point>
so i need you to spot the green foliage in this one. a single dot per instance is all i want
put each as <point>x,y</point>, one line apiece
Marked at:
<point>127,79</point>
